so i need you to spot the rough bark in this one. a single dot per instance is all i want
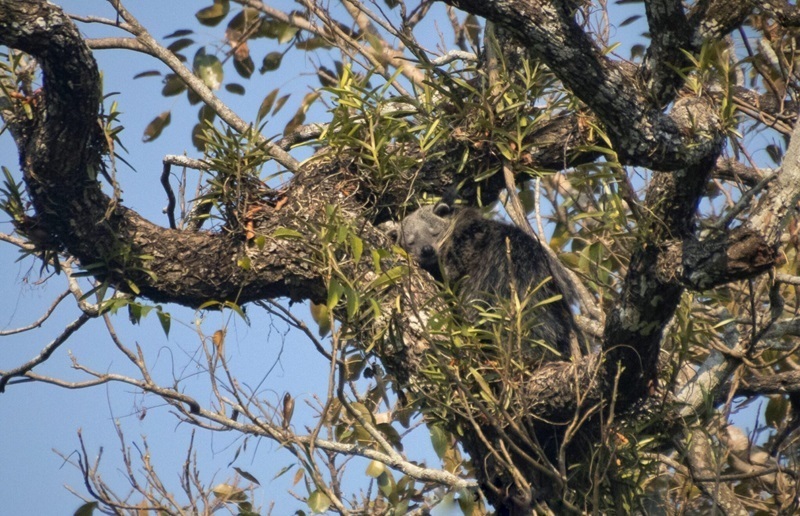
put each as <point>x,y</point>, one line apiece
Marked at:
<point>642,133</point>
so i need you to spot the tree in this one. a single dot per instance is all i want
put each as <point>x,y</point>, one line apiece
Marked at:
<point>679,240</point>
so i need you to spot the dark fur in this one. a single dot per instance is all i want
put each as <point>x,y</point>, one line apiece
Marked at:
<point>484,257</point>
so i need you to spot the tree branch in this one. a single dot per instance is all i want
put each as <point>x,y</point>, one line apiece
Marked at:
<point>641,133</point>
<point>670,36</point>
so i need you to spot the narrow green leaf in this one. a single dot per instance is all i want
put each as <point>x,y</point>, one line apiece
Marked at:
<point>247,475</point>
<point>486,390</point>
<point>267,103</point>
<point>166,320</point>
<point>357,247</point>
<point>440,440</point>
<point>335,290</point>
<point>286,233</point>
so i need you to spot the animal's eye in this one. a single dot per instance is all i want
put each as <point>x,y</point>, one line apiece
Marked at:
<point>441,209</point>
<point>392,234</point>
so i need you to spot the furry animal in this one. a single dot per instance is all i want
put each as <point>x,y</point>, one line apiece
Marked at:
<point>485,258</point>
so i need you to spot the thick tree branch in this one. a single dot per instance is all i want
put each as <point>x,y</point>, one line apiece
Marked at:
<point>703,465</point>
<point>779,201</point>
<point>772,383</point>
<point>641,133</point>
<point>787,14</point>
<point>670,36</point>
<point>714,19</point>
<point>633,332</point>
<point>731,169</point>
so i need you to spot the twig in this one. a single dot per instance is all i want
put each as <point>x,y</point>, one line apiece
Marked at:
<point>40,320</point>
<point>46,351</point>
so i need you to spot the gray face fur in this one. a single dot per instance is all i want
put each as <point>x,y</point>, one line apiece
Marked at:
<point>421,234</point>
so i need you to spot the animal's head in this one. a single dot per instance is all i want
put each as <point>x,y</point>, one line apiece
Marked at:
<point>422,232</point>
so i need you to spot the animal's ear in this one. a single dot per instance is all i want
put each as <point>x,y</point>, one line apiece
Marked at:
<point>390,229</point>
<point>442,209</point>
<point>450,196</point>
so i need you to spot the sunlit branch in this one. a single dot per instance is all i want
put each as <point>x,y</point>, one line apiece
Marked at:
<point>38,322</point>
<point>43,355</point>
<point>454,55</point>
<point>120,43</point>
<point>703,464</point>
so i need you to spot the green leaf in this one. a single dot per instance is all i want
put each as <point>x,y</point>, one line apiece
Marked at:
<point>148,73</point>
<point>353,302</point>
<point>280,103</point>
<point>178,45</point>
<point>271,62</point>
<point>208,68</point>
<point>318,502</point>
<point>391,434</point>
<point>375,469</point>
<point>238,309</point>
<point>244,66</point>
<point>235,88</point>
<point>486,390</point>
<point>246,475</point>
<point>198,137</point>
<point>776,411</point>
<point>386,483</point>
<point>211,16</point>
<point>179,33</point>
<point>246,20</point>
<point>286,233</point>
<point>134,288</point>
<point>440,440</point>
<point>286,32</point>
<point>166,320</point>
<point>357,247</point>
<point>86,509</point>
<point>466,501</point>
<point>229,493</point>
<point>389,277</point>
<point>283,471</point>
<point>335,290</point>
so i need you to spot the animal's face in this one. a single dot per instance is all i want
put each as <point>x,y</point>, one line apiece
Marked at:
<point>421,232</point>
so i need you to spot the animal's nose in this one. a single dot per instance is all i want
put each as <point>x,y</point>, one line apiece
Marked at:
<point>428,251</point>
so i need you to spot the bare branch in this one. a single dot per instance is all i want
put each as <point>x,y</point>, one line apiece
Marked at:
<point>38,322</point>
<point>43,355</point>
